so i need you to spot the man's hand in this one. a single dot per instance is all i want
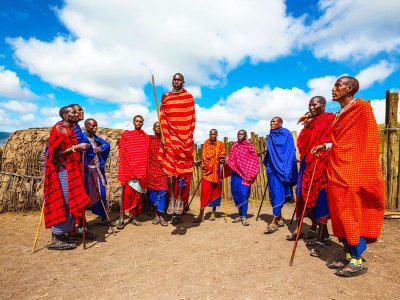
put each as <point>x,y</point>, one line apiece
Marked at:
<point>305,120</point>
<point>97,150</point>
<point>82,146</point>
<point>317,149</point>
<point>222,160</point>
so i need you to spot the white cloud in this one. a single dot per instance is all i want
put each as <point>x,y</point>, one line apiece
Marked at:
<point>379,109</point>
<point>19,106</point>
<point>378,72</point>
<point>28,117</point>
<point>322,86</point>
<point>355,29</point>
<point>50,111</point>
<point>117,45</point>
<point>12,87</point>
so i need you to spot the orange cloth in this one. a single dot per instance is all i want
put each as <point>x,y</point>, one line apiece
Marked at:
<point>177,120</point>
<point>211,153</point>
<point>356,189</point>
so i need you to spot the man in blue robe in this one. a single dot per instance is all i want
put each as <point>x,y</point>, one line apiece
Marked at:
<point>281,168</point>
<point>95,178</point>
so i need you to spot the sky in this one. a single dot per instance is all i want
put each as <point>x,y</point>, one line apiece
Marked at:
<point>245,62</point>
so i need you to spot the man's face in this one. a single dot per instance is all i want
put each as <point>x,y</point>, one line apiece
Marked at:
<point>138,123</point>
<point>341,89</point>
<point>71,115</point>
<point>81,114</point>
<point>275,123</point>
<point>156,128</point>
<point>316,107</point>
<point>241,135</point>
<point>213,135</point>
<point>91,127</point>
<point>177,82</point>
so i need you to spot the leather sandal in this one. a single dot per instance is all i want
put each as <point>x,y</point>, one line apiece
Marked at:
<point>156,220</point>
<point>352,270</point>
<point>245,222</point>
<point>212,217</point>
<point>271,228</point>
<point>171,207</point>
<point>336,264</point>
<point>179,207</point>
<point>162,222</point>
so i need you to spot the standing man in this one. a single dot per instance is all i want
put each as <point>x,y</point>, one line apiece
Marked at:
<point>133,171</point>
<point>77,128</point>
<point>64,191</point>
<point>177,117</point>
<point>243,165</point>
<point>213,155</point>
<point>317,130</point>
<point>158,180</point>
<point>356,188</point>
<point>95,177</point>
<point>281,167</point>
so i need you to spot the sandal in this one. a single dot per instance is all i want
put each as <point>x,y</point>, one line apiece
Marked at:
<point>212,217</point>
<point>198,219</point>
<point>245,222</point>
<point>58,244</point>
<point>280,223</point>
<point>271,228</point>
<point>134,221</point>
<point>171,207</point>
<point>352,270</point>
<point>156,220</point>
<point>179,207</point>
<point>237,220</point>
<point>120,225</point>
<point>292,237</point>
<point>318,250</point>
<point>162,222</point>
<point>336,264</point>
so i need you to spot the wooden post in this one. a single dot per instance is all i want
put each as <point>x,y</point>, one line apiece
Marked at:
<point>391,182</point>
<point>384,140</point>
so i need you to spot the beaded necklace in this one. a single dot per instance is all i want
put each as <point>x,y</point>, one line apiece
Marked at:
<point>342,110</point>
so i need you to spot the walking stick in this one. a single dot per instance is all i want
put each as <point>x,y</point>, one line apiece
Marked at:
<point>294,213</point>
<point>38,228</point>
<point>302,216</point>
<point>120,224</point>
<point>157,108</point>
<point>108,217</point>
<point>224,190</point>
<point>190,202</point>
<point>84,229</point>
<point>262,200</point>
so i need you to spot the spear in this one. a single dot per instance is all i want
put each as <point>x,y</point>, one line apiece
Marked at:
<point>157,107</point>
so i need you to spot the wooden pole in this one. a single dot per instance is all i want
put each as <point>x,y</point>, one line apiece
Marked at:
<point>38,229</point>
<point>385,141</point>
<point>392,181</point>
<point>157,107</point>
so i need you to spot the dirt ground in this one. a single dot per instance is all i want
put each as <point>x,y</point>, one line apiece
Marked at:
<point>211,260</point>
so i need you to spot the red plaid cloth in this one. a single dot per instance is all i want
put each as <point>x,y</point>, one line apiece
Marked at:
<point>177,120</point>
<point>54,209</point>
<point>356,187</point>
<point>133,150</point>
<point>243,160</point>
<point>158,179</point>
<point>319,132</point>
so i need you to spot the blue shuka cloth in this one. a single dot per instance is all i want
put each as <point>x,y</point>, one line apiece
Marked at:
<point>158,199</point>
<point>281,167</point>
<point>240,193</point>
<point>217,201</point>
<point>357,251</point>
<point>97,208</point>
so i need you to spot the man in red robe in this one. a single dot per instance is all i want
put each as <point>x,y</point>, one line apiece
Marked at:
<point>133,171</point>
<point>317,130</point>
<point>177,118</point>
<point>356,190</point>
<point>213,154</point>
<point>64,192</point>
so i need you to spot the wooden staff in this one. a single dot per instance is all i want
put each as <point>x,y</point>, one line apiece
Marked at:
<point>84,209</point>
<point>224,183</point>
<point>262,200</point>
<point>157,108</point>
<point>38,228</point>
<point>302,215</point>
<point>120,224</point>
<point>190,202</point>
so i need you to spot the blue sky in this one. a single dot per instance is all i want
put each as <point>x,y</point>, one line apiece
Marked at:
<point>244,61</point>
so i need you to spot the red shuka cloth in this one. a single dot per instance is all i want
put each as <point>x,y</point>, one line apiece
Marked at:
<point>54,209</point>
<point>158,179</point>
<point>211,153</point>
<point>133,149</point>
<point>209,192</point>
<point>133,201</point>
<point>177,120</point>
<point>356,189</point>
<point>243,160</point>
<point>319,132</point>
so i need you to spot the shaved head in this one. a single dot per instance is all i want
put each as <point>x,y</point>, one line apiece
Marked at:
<point>353,82</point>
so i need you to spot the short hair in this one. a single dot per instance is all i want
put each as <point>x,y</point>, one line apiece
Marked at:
<point>89,119</point>
<point>179,74</point>
<point>154,123</point>
<point>213,129</point>
<point>321,99</point>
<point>72,105</point>
<point>62,111</point>
<point>138,116</point>
<point>279,119</point>
<point>354,83</point>
<point>245,132</point>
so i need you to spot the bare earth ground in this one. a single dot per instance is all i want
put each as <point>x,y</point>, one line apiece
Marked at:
<point>213,260</point>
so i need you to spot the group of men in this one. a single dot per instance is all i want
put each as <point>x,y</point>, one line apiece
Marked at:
<point>335,179</point>
<point>340,177</point>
